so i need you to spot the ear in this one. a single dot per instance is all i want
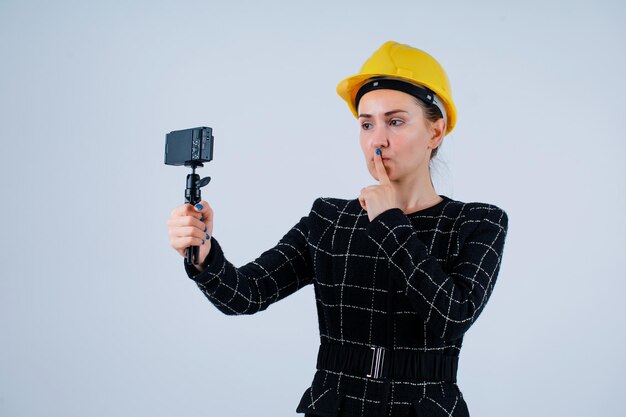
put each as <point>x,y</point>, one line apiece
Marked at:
<point>438,130</point>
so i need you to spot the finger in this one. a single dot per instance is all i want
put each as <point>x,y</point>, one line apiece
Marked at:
<point>180,221</point>
<point>182,210</point>
<point>186,241</point>
<point>205,210</point>
<point>200,211</point>
<point>186,210</point>
<point>187,231</point>
<point>362,202</point>
<point>207,220</point>
<point>383,178</point>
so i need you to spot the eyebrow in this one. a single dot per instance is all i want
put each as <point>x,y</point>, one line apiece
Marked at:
<point>389,113</point>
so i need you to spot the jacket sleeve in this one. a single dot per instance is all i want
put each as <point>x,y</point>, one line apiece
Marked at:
<point>448,302</point>
<point>275,274</point>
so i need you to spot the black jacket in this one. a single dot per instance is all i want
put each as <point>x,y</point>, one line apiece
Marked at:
<point>439,264</point>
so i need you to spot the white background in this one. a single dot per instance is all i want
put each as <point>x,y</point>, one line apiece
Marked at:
<point>97,316</point>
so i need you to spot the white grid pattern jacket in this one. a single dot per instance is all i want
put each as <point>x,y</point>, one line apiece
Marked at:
<point>443,261</point>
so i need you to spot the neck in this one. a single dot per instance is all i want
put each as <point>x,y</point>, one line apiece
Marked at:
<point>415,191</point>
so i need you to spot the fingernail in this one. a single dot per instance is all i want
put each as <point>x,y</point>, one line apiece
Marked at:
<point>203,242</point>
<point>377,151</point>
<point>205,228</point>
<point>199,206</point>
<point>202,218</point>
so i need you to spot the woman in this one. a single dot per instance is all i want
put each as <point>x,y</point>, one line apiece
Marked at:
<point>400,273</point>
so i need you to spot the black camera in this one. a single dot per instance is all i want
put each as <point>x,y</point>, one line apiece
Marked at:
<point>189,147</point>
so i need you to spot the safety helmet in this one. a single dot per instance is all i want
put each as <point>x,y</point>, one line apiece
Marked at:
<point>402,62</point>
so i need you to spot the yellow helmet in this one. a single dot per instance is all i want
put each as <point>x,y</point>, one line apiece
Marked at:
<point>403,62</point>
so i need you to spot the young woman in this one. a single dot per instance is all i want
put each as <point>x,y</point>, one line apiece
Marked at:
<point>400,273</point>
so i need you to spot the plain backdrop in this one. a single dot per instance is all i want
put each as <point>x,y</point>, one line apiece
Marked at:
<point>97,315</point>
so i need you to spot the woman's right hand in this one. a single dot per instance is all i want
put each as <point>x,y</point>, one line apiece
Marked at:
<point>191,226</point>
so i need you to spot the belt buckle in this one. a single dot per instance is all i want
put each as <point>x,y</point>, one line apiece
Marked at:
<point>378,359</point>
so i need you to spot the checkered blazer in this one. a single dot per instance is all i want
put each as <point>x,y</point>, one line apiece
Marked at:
<point>442,262</point>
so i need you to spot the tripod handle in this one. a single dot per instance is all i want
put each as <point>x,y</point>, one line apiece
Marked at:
<point>193,252</point>
<point>193,196</point>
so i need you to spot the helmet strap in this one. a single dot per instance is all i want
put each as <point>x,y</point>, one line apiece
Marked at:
<point>424,94</point>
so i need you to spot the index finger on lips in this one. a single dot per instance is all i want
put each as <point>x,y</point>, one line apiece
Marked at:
<point>383,178</point>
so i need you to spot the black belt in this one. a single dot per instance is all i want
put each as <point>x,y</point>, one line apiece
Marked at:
<point>378,362</point>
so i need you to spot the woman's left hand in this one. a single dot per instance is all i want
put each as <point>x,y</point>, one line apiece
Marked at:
<point>376,199</point>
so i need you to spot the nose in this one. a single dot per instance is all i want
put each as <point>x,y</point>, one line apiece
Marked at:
<point>378,138</point>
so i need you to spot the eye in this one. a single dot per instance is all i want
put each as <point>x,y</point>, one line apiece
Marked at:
<point>366,125</point>
<point>396,122</point>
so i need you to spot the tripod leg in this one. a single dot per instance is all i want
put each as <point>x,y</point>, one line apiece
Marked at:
<point>193,252</point>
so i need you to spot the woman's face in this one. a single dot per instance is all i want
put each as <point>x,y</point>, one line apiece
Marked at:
<point>393,122</point>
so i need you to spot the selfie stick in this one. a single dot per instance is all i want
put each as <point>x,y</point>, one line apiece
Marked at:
<point>193,197</point>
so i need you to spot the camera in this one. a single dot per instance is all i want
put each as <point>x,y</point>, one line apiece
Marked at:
<point>189,147</point>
